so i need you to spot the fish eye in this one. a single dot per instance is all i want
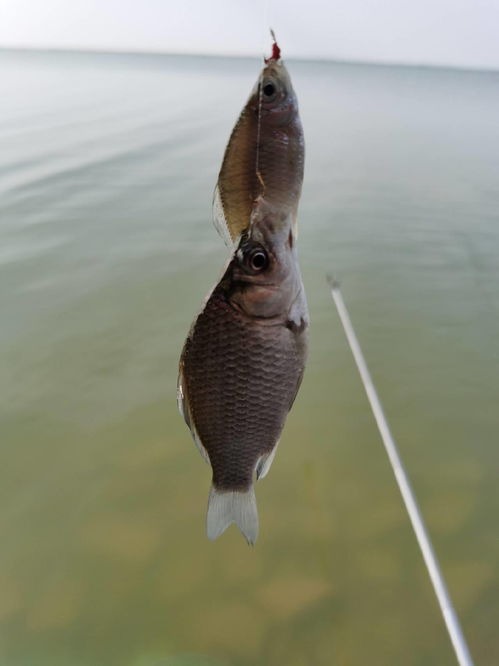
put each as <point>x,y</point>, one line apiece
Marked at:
<point>257,259</point>
<point>269,89</point>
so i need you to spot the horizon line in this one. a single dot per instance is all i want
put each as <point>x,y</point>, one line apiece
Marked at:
<point>240,56</point>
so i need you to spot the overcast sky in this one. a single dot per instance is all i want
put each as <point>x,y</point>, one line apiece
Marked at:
<point>448,32</point>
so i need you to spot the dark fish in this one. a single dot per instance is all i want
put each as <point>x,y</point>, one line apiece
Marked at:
<point>241,368</point>
<point>244,358</point>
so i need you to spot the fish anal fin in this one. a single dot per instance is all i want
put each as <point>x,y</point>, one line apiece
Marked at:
<point>199,444</point>
<point>220,221</point>
<point>183,407</point>
<point>181,399</point>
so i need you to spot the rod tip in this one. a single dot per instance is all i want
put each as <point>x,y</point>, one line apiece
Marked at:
<point>333,281</point>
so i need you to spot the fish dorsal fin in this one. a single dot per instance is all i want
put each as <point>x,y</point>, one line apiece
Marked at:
<point>264,462</point>
<point>220,221</point>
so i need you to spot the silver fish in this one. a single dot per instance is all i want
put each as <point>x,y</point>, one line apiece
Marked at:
<point>244,357</point>
<point>264,158</point>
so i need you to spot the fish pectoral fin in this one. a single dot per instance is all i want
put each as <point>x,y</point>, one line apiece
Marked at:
<point>264,462</point>
<point>183,407</point>
<point>232,506</point>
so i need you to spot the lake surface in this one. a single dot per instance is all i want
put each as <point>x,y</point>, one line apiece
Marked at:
<point>107,168</point>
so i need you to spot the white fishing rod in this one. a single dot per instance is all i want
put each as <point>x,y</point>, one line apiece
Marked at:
<point>449,614</point>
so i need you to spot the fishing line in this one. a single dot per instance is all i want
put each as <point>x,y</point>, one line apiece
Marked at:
<point>449,614</point>
<point>258,127</point>
<point>265,24</point>
<point>266,12</point>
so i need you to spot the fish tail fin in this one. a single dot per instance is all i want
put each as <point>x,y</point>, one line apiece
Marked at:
<point>232,506</point>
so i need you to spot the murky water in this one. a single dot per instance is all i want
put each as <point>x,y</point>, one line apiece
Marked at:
<point>107,166</point>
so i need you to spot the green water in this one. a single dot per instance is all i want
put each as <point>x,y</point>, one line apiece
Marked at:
<point>107,167</point>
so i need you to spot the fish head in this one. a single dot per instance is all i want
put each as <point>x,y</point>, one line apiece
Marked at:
<point>273,96</point>
<point>264,273</point>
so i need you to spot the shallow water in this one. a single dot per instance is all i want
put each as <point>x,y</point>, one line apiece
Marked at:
<point>107,167</point>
